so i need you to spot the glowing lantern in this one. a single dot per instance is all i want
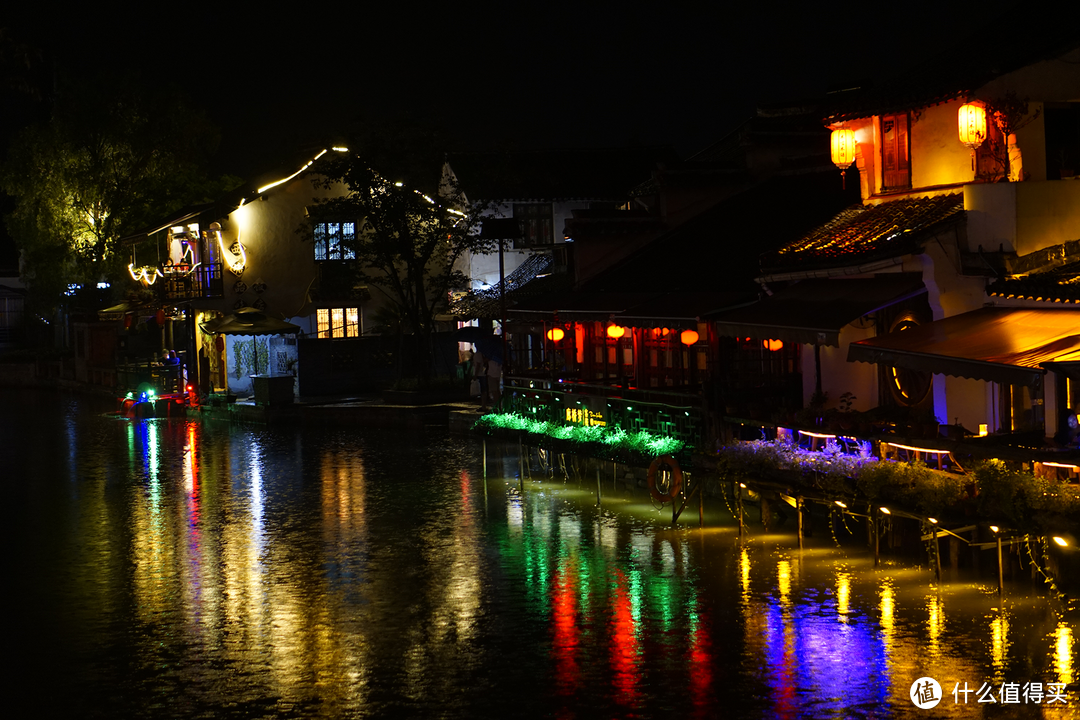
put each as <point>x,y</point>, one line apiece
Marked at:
<point>972,126</point>
<point>773,345</point>
<point>615,331</point>
<point>160,317</point>
<point>843,149</point>
<point>689,337</point>
<point>555,334</point>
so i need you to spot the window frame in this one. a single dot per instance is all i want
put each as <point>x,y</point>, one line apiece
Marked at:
<point>322,235</point>
<point>337,323</point>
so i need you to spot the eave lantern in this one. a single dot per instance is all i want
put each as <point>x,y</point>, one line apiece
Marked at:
<point>689,337</point>
<point>555,334</point>
<point>972,127</point>
<point>843,149</point>
<point>615,331</point>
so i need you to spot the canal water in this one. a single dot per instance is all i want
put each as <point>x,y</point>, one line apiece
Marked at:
<point>178,569</point>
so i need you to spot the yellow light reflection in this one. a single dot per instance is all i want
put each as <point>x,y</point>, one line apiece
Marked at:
<point>887,606</point>
<point>935,623</point>
<point>999,644</point>
<point>744,573</point>
<point>843,595</point>
<point>783,582</point>
<point>1063,654</point>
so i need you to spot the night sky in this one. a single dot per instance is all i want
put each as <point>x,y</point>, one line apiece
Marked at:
<point>490,75</point>
<point>495,74</point>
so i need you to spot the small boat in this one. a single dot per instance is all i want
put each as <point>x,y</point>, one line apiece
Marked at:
<point>147,402</point>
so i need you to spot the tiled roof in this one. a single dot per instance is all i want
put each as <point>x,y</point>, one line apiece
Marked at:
<point>1060,284</point>
<point>863,233</point>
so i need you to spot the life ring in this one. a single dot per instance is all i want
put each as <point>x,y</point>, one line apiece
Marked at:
<point>676,479</point>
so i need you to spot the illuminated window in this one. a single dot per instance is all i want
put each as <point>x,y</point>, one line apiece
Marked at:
<point>338,322</point>
<point>334,240</point>
<point>536,220</point>
<point>895,157</point>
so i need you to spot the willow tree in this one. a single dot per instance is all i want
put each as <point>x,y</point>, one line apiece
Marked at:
<point>409,240</point>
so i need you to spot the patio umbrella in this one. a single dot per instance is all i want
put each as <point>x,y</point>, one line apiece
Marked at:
<point>249,321</point>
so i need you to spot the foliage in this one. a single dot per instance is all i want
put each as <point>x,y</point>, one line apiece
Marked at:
<point>1021,499</point>
<point>413,228</point>
<point>112,159</point>
<point>757,457</point>
<point>611,439</point>
<point>1010,113</point>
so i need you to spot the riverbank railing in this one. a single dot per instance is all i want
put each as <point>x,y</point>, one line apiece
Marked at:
<point>676,415</point>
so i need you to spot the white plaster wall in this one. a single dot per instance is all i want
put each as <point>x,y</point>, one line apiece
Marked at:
<point>484,269</point>
<point>276,254</point>
<point>937,155</point>
<point>970,401</point>
<point>1022,217</point>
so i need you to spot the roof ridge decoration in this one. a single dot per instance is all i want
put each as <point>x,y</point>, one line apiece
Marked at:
<point>866,232</point>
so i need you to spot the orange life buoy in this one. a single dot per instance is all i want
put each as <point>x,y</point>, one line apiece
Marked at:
<point>676,479</point>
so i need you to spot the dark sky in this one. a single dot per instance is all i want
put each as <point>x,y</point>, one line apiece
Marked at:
<point>495,74</point>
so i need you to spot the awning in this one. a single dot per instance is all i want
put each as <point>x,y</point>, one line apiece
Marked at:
<point>248,321</point>
<point>814,311</point>
<point>1005,345</point>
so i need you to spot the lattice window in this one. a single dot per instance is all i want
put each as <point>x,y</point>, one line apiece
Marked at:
<point>335,240</point>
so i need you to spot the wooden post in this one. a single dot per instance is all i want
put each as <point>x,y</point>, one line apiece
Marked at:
<point>738,509</point>
<point>1001,571</point>
<point>701,505</point>
<point>877,544</point>
<point>937,552</point>
<point>798,517</point>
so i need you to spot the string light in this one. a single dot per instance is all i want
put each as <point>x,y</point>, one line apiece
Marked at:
<point>147,273</point>
<point>236,265</point>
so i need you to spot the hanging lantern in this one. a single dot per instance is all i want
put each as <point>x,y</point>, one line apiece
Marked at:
<point>689,337</point>
<point>160,317</point>
<point>129,320</point>
<point>844,147</point>
<point>972,127</point>
<point>555,334</point>
<point>972,123</point>
<point>615,331</point>
<point>773,345</point>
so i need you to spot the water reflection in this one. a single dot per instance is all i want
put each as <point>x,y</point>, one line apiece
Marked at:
<point>231,572</point>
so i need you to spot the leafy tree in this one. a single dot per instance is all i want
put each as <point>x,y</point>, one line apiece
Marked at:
<point>112,159</point>
<point>410,238</point>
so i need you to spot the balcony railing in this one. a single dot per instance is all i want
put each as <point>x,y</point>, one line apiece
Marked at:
<point>185,283</point>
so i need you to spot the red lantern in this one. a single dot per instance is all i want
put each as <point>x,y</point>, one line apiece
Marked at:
<point>972,122</point>
<point>689,337</point>
<point>129,320</point>
<point>773,345</point>
<point>160,317</point>
<point>615,331</point>
<point>555,334</point>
